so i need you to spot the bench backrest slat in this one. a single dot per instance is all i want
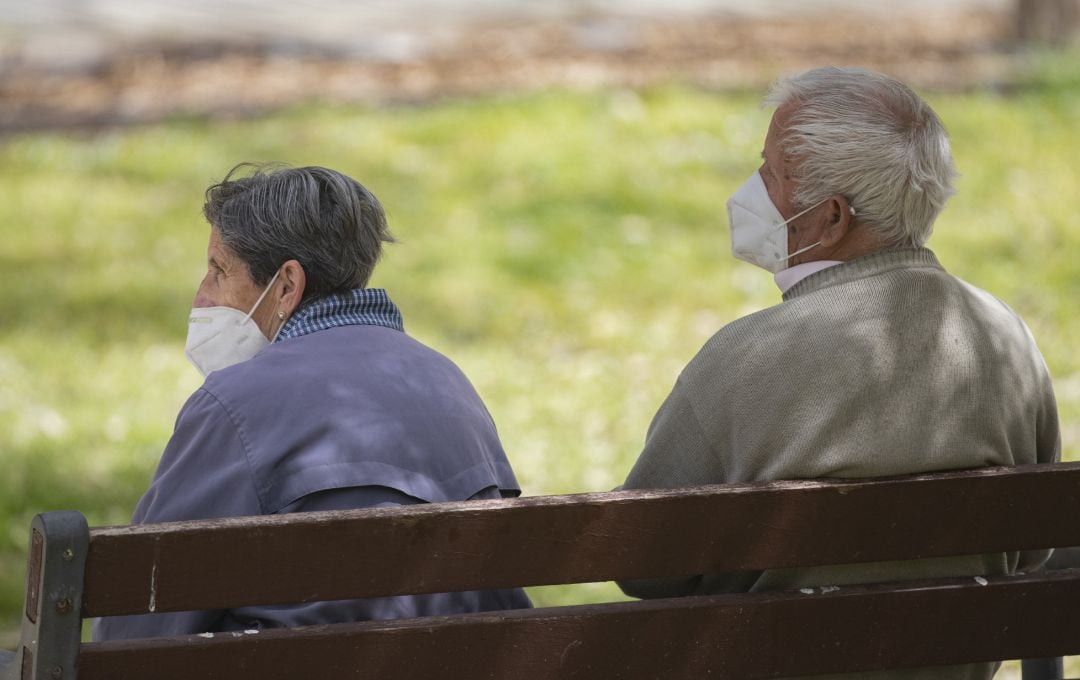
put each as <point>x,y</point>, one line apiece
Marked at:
<point>573,539</point>
<point>856,628</point>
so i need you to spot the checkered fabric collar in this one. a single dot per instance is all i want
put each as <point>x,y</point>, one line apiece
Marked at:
<point>357,307</point>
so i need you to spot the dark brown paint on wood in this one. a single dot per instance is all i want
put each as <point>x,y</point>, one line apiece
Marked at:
<point>855,628</point>
<point>578,538</point>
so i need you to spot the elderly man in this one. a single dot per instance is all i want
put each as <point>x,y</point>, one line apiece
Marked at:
<point>878,361</point>
<point>315,398</point>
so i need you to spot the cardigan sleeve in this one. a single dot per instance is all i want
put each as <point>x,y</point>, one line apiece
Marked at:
<point>678,453</point>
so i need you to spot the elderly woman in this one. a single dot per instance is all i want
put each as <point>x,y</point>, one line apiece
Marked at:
<point>315,398</point>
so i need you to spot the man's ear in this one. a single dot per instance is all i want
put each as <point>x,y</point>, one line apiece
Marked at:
<point>840,218</point>
<point>293,281</point>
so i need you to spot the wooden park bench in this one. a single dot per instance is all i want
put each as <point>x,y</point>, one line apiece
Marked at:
<point>76,573</point>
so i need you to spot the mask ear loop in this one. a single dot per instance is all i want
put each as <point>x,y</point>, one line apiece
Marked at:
<point>800,214</point>
<point>785,258</point>
<point>265,291</point>
<point>800,251</point>
<point>281,315</point>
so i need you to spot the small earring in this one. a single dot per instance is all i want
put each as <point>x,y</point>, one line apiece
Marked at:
<point>281,315</point>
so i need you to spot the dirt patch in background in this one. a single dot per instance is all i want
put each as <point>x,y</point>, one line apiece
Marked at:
<point>141,83</point>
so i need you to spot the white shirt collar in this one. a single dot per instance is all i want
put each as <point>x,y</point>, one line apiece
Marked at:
<point>786,278</point>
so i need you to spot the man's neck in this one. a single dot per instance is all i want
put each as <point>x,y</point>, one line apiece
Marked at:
<point>786,278</point>
<point>859,242</point>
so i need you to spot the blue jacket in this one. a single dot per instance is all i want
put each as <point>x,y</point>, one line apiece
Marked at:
<point>351,416</point>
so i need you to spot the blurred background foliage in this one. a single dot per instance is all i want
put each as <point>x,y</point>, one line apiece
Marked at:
<point>569,250</point>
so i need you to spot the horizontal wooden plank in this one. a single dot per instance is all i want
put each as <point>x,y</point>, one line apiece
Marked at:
<point>859,628</point>
<point>580,538</point>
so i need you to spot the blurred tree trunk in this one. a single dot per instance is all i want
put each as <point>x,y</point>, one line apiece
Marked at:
<point>1053,22</point>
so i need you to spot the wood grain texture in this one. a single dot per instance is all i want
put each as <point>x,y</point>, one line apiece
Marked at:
<point>580,538</point>
<point>855,628</point>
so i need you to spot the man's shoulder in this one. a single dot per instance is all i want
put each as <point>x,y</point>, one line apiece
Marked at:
<point>748,332</point>
<point>740,344</point>
<point>794,330</point>
<point>988,301</point>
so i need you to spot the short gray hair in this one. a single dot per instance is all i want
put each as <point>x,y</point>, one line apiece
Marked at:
<point>326,221</point>
<point>871,138</point>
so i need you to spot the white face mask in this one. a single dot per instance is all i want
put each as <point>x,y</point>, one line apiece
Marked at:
<point>222,336</point>
<point>758,233</point>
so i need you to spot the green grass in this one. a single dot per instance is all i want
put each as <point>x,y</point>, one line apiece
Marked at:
<point>570,251</point>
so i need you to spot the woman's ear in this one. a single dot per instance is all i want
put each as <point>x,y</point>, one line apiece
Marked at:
<point>293,282</point>
<point>839,221</point>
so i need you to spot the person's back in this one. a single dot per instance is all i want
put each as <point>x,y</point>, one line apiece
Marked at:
<point>886,365</point>
<point>379,409</point>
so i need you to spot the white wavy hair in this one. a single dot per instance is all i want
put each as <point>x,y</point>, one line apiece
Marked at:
<point>871,138</point>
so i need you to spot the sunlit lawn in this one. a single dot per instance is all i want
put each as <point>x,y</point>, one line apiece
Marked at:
<point>569,251</point>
